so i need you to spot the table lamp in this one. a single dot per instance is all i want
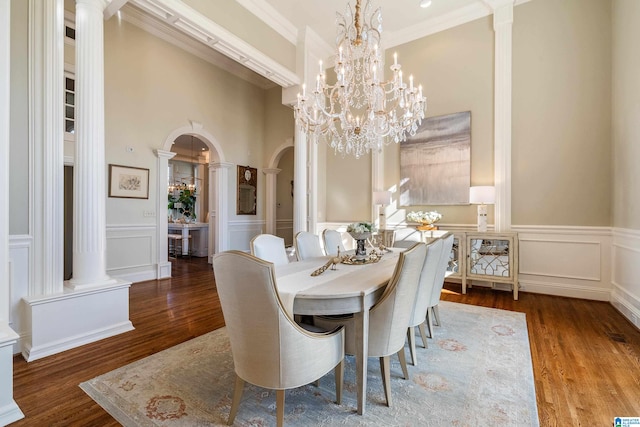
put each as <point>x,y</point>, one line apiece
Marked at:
<point>382,198</point>
<point>482,196</point>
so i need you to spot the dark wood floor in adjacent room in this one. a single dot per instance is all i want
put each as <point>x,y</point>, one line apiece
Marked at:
<point>586,356</point>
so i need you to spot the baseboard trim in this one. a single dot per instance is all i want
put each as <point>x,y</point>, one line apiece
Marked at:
<point>10,413</point>
<point>565,290</point>
<point>38,352</point>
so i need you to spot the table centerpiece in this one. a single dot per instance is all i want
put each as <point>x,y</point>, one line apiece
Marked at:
<point>426,219</point>
<point>361,231</point>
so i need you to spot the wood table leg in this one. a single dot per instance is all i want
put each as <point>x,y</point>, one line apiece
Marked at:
<point>362,353</point>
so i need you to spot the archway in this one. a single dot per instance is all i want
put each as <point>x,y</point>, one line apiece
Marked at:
<point>218,194</point>
<point>271,173</point>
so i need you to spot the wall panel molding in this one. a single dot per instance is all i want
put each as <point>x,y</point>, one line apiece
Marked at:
<point>625,294</point>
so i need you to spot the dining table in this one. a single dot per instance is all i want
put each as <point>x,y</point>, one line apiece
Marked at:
<point>349,289</point>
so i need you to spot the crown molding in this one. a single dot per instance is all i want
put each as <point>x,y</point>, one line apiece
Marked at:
<point>180,17</point>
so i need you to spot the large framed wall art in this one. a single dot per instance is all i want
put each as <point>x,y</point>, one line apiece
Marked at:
<point>435,164</point>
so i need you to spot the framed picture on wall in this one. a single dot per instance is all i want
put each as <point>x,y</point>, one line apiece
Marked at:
<point>247,188</point>
<point>128,182</point>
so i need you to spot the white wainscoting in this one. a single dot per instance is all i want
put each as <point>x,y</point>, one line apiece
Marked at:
<point>242,231</point>
<point>565,261</point>
<point>131,252</point>
<point>20,251</point>
<point>625,295</point>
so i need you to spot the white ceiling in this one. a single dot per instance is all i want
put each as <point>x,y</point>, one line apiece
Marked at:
<point>397,15</point>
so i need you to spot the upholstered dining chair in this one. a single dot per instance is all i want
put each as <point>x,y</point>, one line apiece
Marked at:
<point>307,245</point>
<point>406,237</point>
<point>423,296</point>
<point>432,312</point>
<point>332,241</point>
<point>389,317</point>
<point>269,349</point>
<point>269,248</point>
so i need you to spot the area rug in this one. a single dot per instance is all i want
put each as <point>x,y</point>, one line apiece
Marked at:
<point>476,372</point>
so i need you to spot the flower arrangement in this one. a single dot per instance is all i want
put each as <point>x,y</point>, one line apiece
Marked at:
<point>426,218</point>
<point>361,227</point>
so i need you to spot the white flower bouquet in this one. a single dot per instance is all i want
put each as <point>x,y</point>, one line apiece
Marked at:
<point>361,227</point>
<point>425,218</point>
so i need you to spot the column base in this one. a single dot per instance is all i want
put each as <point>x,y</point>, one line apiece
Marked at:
<point>75,317</point>
<point>9,410</point>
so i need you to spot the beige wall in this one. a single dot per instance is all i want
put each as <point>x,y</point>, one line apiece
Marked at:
<point>562,113</point>
<point>626,114</point>
<point>153,88</point>
<point>244,24</point>
<point>455,68</point>
<point>19,120</point>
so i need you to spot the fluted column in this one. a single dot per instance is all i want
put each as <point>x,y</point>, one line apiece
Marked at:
<point>162,222</point>
<point>89,191</point>
<point>46,77</point>
<point>312,186</point>
<point>270,200</point>
<point>221,170</point>
<point>502,26</point>
<point>299,181</point>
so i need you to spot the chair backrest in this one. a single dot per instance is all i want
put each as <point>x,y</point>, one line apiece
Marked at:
<point>389,318</point>
<point>307,246</point>
<point>269,248</point>
<point>332,240</point>
<point>427,281</point>
<point>442,269</point>
<point>406,237</point>
<point>269,349</point>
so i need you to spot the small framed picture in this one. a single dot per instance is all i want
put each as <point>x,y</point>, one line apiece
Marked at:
<point>128,182</point>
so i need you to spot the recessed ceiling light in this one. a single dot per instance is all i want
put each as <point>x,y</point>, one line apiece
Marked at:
<point>425,3</point>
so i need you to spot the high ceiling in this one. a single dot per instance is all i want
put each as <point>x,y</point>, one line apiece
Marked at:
<point>398,15</point>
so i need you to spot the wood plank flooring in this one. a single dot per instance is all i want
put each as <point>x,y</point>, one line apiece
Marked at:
<point>586,356</point>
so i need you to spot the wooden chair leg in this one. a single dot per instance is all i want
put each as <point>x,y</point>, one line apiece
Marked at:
<point>237,395</point>
<point>279,408</point>
<point>430,322</point>
<point>403,363</point>
<point>411,335</point>
<point>423,334</point>
<point>385,368</point>
<point>339,374</point>
<point>436,314</point>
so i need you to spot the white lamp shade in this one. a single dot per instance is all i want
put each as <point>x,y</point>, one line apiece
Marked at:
<point>482,195</point>
<point>381,197</point>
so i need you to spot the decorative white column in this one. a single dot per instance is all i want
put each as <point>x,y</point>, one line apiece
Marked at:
<point>221,206</point>
<point>270,199</point>
<point>312,190</point>
<point>162,222</point>
<point>46,118</point>
<point>377,182</point>
<point>299,181</point>
<point>502,25</point>
<point>9,410</point>
<point>89,190</point>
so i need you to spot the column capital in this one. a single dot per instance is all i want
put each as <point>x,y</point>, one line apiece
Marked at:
<point>271,171</point>
<point>99,3</point>
<point>164,154</point>
<point>221,165</point>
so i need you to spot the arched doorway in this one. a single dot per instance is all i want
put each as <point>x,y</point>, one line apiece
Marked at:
<point>217,194</point>
<point>279,190</point>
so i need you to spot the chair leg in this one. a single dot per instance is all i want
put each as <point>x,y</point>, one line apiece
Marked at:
<point>436,314</point>
<point>279,408</point>
<point>237,395</point>
<point>403,363</point>
<point>430,322</point>
<point>385,368</point>
<point>411,335</point>
<point>423,334</point>
<point>339,374</point>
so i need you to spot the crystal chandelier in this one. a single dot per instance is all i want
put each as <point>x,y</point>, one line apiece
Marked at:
<point>361,111</point>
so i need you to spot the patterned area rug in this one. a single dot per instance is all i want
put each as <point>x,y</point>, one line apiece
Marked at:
<point>476,372</point>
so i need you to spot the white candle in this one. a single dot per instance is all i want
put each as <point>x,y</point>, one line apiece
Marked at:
<point>395,58</point>
<point>411,82</point>
<point>304,89</point>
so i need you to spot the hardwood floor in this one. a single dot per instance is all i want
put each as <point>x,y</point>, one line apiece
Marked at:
<point>586,356</point>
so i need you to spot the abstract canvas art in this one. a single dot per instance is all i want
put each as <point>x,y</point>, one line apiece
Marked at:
<point>435,164</point>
